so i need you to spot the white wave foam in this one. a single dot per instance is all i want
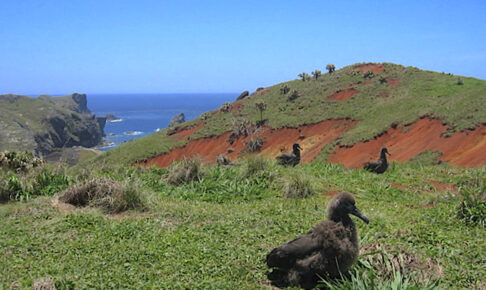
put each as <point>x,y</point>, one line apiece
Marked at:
<point>133,133</point>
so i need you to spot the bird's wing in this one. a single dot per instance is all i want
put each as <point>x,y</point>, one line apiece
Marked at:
<point>371,165</point>
<point>285,255</point>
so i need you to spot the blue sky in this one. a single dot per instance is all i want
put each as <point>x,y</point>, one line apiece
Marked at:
<point>60,47</point>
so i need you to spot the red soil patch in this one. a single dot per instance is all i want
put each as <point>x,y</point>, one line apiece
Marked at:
<point>384,95</point>
<point>465,149</point>
<point>313,138</point>
<point>184,133</point>
<point>343,95</point>
<point>260,93</point>
<point>237,106</point>
<point>443,186</point>
<point>399,186</point>
<point>392,81</point>
<point>376,68</point>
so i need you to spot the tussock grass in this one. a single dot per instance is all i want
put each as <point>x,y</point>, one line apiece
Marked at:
<point>110,195</point>
<point>186,170</point>
<point>254,165</point>
<point>297,185</point>
<point>472,208</point>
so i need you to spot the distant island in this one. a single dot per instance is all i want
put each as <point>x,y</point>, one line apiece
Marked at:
<point>112,118</point>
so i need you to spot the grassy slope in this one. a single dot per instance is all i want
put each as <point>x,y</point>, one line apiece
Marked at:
<point>24,117</point>
<point>191,238</point>
<point>417,94</point>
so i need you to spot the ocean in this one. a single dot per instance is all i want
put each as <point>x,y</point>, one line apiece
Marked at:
<point>143,114</point>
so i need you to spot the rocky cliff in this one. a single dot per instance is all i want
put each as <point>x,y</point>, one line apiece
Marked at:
<point>45,124</point>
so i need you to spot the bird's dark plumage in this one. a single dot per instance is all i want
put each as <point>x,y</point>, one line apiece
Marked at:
<point>290,158</point>
<point>379,166</point>
<point>326,251</point>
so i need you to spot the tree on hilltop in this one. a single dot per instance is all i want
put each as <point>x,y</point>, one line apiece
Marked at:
<point>317,73</point>
<point>284,89</point>
<point>304,76</point>
<point>331,68</point>
<point>261,106</point>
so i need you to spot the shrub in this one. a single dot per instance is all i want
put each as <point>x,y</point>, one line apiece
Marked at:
<point>254,145</point>
<point>19,161</point>
<point>297,185</point>
<point>284,89</point>
<point>43,181</point>
<point>222,159</point>
<point>110,195</point>
<point>226,107</point>
<point>241,127</point>
<point>368,75</point>
<point>459,82</point>
<point>189,169</point>
<point>295,94</point>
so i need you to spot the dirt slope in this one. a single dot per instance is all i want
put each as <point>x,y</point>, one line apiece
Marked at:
<point>465,149</point>
<point>312,138</point>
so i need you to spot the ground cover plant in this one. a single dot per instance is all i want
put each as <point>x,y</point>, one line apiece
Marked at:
<point>215,231</point>
<point>391,96</point>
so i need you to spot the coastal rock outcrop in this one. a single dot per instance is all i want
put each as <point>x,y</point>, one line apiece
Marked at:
<point>44,124</point>
<point>178,119</point>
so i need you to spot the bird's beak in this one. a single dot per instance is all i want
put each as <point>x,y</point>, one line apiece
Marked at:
<point>300,148</point>
<point>388,153</point>
<point>357,213</point>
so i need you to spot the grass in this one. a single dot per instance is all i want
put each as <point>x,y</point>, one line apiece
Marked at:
<point>418,93</point>
<point>208,234</point>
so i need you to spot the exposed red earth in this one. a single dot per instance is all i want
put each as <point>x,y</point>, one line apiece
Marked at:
<point>376,68</point>
<point>312,138</point>
<point>392,81</point>
<point>343,95</point>
<point>184,133</point>
<point>260,93</point>
<point>464,149</point>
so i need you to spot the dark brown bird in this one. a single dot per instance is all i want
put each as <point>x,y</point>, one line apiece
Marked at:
<point>379,166</point>
<point>290,158</point>
<point>326,251</point>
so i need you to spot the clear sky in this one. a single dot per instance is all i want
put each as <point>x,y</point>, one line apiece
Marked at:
<point>142,46</point>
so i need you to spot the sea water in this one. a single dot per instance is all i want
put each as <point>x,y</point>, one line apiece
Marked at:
<point>143,114</point>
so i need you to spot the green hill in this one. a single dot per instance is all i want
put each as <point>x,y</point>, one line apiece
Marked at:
<point>193,225</point>
<point>45,124</point>
<point>382,96</point>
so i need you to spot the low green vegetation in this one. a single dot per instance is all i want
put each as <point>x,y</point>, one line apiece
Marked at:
<point>214,231</point>
<point>396,96</point>
<point>23,176</point>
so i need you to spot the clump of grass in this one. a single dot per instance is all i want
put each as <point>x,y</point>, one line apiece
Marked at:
<point>254,145</point>
<point>189,169</point>
<point>43,180</point>
<point>297,185</point>
<point>222,159</point>
<point>255,165</point>
<point>110,195</point>
<point>381,267</point>
<point>241,127</point>
<point>428,157</point>
<point>472,208</point>
<point>19,161</point>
